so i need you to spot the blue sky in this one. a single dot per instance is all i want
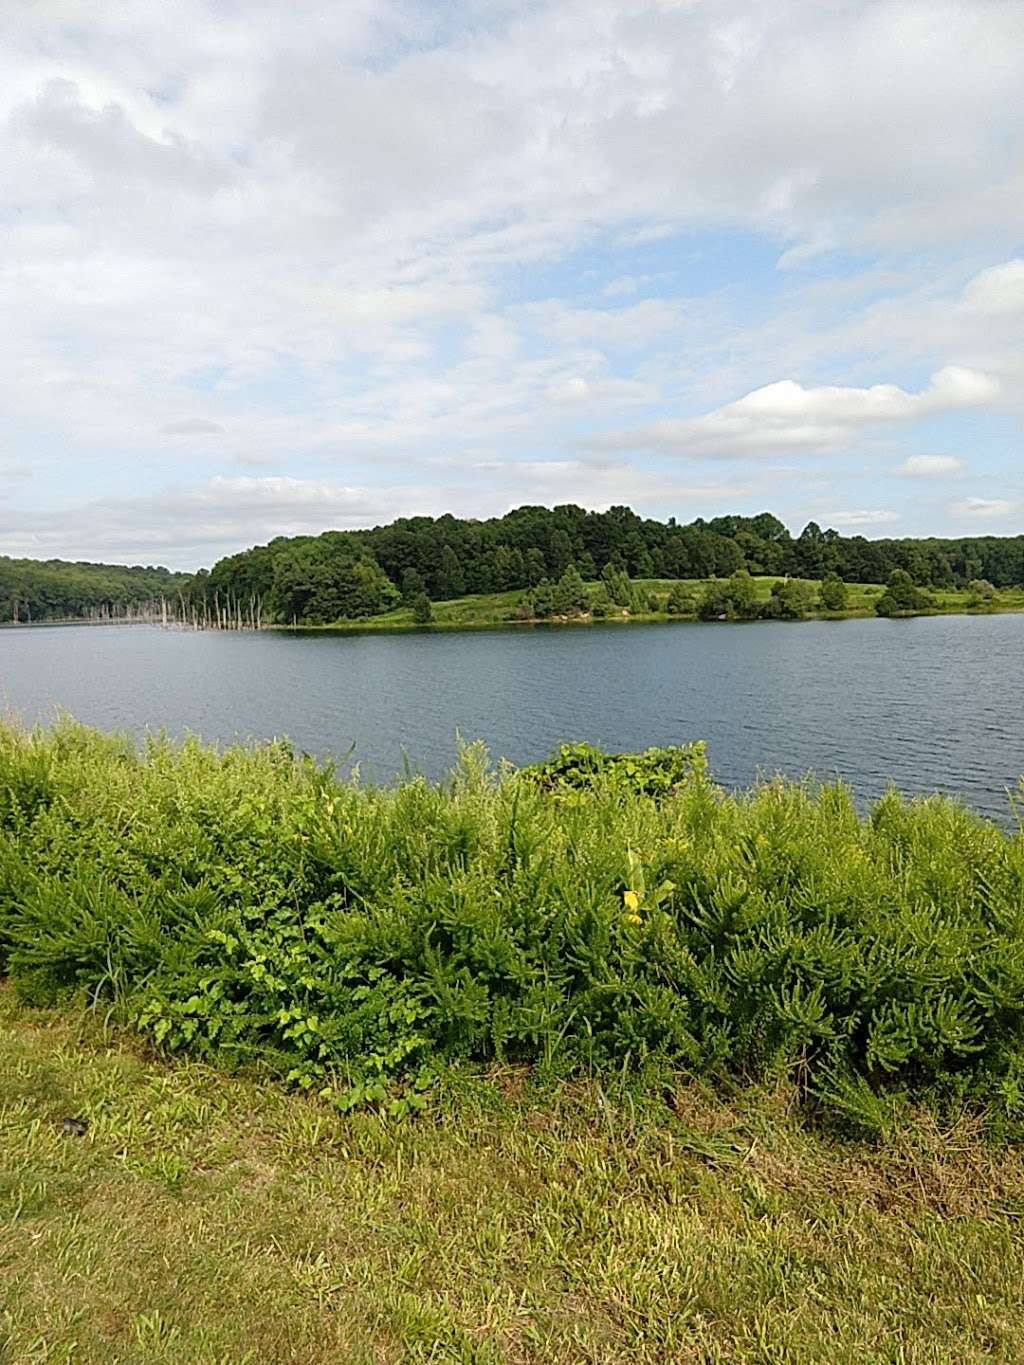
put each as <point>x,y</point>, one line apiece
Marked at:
<point>269,269</point>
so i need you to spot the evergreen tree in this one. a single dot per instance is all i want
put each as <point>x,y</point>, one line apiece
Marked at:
<point>544,598</point>
<point>451,581</point>
<point>422,612</point>
<point>570,592</point>
<point>412,586</point>
<point>559,552</point>
<point>536,568</point>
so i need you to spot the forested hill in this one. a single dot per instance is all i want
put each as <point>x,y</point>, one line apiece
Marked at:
<point>55,590</point>
<point>363,573</point>
<point>353,574</point>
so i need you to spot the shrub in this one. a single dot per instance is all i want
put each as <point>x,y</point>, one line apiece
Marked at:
<point>680,601</point>
<point>981,595</point>
<point>902,596</point>
<point>790,600</point>
<point>832,595</point>
<point>597,912</point>
<point>422,611</point>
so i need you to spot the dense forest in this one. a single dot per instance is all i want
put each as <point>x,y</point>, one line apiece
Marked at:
<point>353,574</point>
<point>55,590</point>
<point>547,554</point>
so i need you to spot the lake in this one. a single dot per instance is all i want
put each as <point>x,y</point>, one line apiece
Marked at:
<point>932,703</point>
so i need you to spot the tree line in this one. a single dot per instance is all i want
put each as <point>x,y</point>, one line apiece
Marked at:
<point>58,590</point>
<point>545,554</point>
<point>416,560</point>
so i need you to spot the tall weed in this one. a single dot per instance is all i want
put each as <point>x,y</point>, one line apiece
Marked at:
<point>249,906</point>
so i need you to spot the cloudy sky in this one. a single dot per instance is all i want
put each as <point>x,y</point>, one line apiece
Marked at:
<point>275,267</point>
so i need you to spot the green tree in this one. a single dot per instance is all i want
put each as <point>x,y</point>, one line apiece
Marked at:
<point>832,595</point>
<point>790,600</point>
<point>412,586</point>
<point>742,592</point>
<point>502,569</point>
<point>981,595</point>
<point>536,568</point>
<point>714,603</point>
<point>422,611</point>
<point>570,592</point>
<point>543,597</point>
<point>451,581</point>
<point>902,596</point>
<point>313,588</point>
<point>559,551</point>
<point>621,589</point>
<point>809,550</point>
<point>600,605</point>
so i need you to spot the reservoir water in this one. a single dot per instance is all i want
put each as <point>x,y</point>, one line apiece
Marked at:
<point>933,703</point>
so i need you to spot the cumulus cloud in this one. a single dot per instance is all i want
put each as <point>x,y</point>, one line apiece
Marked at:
<point>997,291</point>
<point>192,426</point>
<point>370,234</point>
<point>188,526</point>
<point>931,466</point>
<point>787,416</point>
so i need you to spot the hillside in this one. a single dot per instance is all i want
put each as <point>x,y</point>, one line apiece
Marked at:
<point>353,575</point>
<point>56,589</point>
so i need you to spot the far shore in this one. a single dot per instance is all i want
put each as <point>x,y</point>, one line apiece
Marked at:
<point>499,611</point>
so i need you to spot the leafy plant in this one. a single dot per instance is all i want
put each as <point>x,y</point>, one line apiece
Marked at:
<point>596,912</point>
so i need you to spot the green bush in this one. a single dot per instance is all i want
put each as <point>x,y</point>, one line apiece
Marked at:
<point>903,597</point>
<point>598,913</point>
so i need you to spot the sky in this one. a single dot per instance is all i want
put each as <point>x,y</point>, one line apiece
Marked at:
<point>274,268</point>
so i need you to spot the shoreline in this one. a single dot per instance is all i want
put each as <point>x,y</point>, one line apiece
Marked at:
<point>382,625</point>
<point>379,626</point>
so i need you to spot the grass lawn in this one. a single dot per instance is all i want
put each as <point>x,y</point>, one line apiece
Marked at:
<point>211,1219</point>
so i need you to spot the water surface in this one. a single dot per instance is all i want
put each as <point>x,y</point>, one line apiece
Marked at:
<point>934,703</point>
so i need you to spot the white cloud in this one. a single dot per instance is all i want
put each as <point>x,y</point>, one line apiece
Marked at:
<point>875,518</point>
<point>787,416</point>
<point>572,389</point>
<point>997,291</point>
<point>192,426</point>
<point>330,230</point>
<point>188,526</point>
<point>931,466</point>
<point>987,508</point>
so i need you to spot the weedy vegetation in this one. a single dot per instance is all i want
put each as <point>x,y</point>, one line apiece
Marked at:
<point>590,917</point>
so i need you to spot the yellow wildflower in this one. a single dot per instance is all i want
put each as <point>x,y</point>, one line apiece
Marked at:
<point>631,900</point>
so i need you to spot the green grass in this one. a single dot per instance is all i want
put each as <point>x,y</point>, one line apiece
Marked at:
<point>498,609</point>
<point>209,1219</point>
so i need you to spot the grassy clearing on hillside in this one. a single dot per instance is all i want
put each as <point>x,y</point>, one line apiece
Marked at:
<point>499,608</point>
<point>250,909</point>
<point>218,1221</point>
